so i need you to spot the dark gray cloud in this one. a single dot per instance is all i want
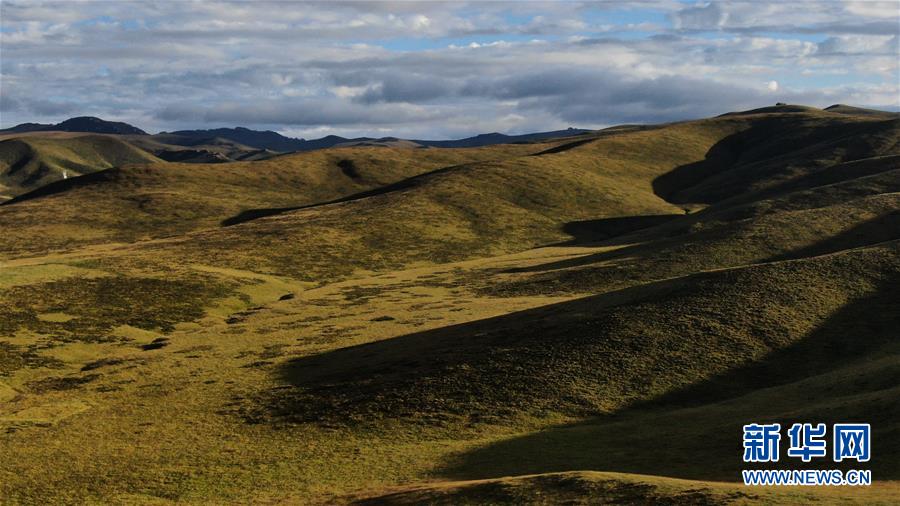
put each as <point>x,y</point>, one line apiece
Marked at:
<point>50,107</point>
<point>597,96</point>
<point>8,103</point>
<point>406,88</point>
<point>436,69</point>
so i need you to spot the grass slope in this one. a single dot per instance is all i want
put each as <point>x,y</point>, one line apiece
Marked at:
<point>214,150</point>
<point>147,201</point>
<point>490,208</point>
<point>29,162</point>
<point>376,325</point>
<point>468,210</point>
<point>603,353</point>
<point>611,488</point>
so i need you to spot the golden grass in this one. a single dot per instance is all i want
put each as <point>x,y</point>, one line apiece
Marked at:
<point>137,202</point>
<point>394,347</point>
<point>31,161</point>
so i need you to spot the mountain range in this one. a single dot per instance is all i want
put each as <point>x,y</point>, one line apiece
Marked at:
<point>270,140</point>
<point>32,154</point>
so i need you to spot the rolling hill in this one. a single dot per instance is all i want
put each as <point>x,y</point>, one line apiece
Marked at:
<point>131,202</point>
<point>203,150</point>
<point>240,143</point>
<point>496,207</point>
<point>33,154</point>
<point>578,319</point>
<point>30,162</point>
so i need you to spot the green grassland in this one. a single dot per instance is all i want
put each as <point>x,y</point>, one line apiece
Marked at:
<point>216,150</point>
<point>582,321</point>
<point>609,488</point>
<point>134,202</point>
<point>31,161</point>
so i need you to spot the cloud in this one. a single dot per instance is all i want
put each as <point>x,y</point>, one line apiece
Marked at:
<point>50,107</point>
<point>860,44</point>
<point>436,69</point>
<point>611,98</point>
<point>874,9</point>
<point>761,16</point>
<point>704,17</point>
<point>8,103</point>
<point>39,107</point>
<point>406,88</point>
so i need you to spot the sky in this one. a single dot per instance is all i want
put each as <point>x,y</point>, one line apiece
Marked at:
<point>435,70</point>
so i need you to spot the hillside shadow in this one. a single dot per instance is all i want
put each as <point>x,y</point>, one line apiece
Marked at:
<point>593,136</point>
<point>253,214</point>
<point>632,242</point>
<point>720,156</point>
<point>564,147</point>
<point>834,174</point>
<point>629,232</point>
<point>586,232</point>
<point>885,227</point>
<point>694,432</point>
<point>754,153</point>
<point>21,163</point>
<point>353,384</point>
<point>64,185</point>
<point>486,370</point>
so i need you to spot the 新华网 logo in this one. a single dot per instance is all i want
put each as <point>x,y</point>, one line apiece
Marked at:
<point>850,441</point>
<point>807,441</point>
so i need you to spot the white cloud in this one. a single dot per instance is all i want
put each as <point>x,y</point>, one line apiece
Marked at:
<point>282,80</point>
<point>702,17</point>
<point>435,68</point>
<point>874,9</point>
<point>861,44</point>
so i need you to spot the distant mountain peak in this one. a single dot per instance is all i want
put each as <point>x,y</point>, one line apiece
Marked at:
<point>84,119</point>
<point>261,139</point>
<point>89,124</point>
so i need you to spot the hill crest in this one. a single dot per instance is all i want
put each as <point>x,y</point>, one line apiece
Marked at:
<point>88,124</point>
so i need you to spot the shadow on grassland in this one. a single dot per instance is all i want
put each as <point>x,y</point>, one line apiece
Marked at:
<point>885,227</point>
<point>253,214</point>
<point>602,230</point>
<point>658,344</point>
<point>848,369</point>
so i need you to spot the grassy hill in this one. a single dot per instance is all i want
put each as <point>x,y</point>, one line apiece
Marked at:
<point>467,210</point>
<point>31,161</point>
<point>589,319</point>
<point>502,206</point>
<point>603,353</point>
<point>149,201</point>
<point>204,150</point>
<point>859,111</point>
